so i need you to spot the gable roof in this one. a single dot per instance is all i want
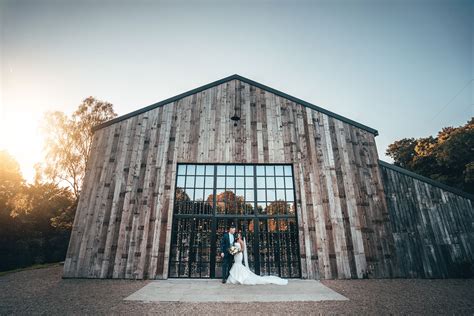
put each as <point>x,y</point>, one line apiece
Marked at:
<point>243,79</point>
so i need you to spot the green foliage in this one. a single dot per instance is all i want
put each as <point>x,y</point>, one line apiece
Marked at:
<point>448,157</point>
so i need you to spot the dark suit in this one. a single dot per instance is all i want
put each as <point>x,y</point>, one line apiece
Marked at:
<point>228,259</point>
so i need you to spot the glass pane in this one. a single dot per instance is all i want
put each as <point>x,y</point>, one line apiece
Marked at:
<point>190,193</point>
<point>270,195</point>
<point>260,170</point>
<point>239,182</point>
<point>221,170</point>
<point>180,182</point>
<point>209,170</point>
<point>231,170</point>
<point>278,170</point>
<point>261,207</point>
<point>181,195</point>
<point>190,247</point>
<point>198,194</point>
<point>230,207</point>
<point>249,182</point>
<point>260,182</point>
<point>209,182</point>
<point>240,194</point>
<point>208,195</point>
<point>249,208</point>
<point>270,182</point>
<point>289,182</point>
<point>220,182</point>
<point>283,226</point>
<point>249,170</point>
<point>220,199</point>
<point>199,182</point>
<point>249,195</point>
<point>190,181</point>
<point>200,170</point>
<point>270,170</point>
<point>279,207</point>
<point>261,195</point>
<point>288,171</point>
<point>291,208</point>
<point>239,170</point>
<point>280,183</point>
<point>289,195</point>
<point>182,169</point>
<point>191,169</point>
<point>280,195</point>
<point>230,182</point>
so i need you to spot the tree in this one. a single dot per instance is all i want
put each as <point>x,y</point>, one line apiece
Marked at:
<point>11,180</point>
<point>448,157</point>
<point>229,203</point>
<point>69,141</point>
<point>11,184</point>
<point>402,151</point>
<point>27,234</point>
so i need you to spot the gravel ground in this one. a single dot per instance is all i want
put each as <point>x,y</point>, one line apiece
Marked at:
<point>43,292</point>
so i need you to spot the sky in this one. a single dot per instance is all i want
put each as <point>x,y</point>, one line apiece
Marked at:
<point>402,67</point>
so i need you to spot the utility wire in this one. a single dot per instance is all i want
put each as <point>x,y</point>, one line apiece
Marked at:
<point>457,94</point>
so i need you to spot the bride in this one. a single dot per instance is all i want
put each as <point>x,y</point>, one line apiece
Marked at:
<point>240,274</point>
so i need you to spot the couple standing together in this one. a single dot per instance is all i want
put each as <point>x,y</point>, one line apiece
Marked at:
<point>233,269</point>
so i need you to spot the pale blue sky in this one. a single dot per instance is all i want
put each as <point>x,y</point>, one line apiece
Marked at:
<point>397,66</point>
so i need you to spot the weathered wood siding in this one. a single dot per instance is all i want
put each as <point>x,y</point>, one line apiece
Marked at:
<point>433,228</point>
<point>122,227</point>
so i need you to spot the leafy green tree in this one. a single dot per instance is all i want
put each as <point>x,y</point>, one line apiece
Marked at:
<point>402,151</point>
<point>448,157</point>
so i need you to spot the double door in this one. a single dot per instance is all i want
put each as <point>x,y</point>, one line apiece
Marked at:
<point>272,246</point>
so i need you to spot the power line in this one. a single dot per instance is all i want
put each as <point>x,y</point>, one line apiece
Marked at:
<point>450,101</point>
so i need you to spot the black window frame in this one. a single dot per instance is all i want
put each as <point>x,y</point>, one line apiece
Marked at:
<point>257,217</point>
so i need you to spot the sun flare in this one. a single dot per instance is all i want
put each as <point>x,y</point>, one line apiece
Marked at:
<point>22,138</point>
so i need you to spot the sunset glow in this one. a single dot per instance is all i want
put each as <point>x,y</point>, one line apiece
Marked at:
<point>22,138</point>
<point>335,56</point>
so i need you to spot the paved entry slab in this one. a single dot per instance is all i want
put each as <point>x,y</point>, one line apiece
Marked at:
<point>177,290</point>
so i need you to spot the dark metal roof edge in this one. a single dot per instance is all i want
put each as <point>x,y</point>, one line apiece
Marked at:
<point>166,101</point>
<point>309,105</point>
<point>427,180</point>
<point>235,77</point>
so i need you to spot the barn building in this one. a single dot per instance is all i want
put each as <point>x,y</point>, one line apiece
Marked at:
<point>303,184</point>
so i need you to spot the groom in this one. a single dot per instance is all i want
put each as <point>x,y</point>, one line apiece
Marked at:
<point>226,242</point>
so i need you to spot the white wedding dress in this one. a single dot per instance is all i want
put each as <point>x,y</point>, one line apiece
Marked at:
<point>240,274</point>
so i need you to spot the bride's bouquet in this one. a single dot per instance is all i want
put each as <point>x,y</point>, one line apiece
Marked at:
<point>234,250</point>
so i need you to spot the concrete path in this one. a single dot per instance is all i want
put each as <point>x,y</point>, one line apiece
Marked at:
<point>177,290</point>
